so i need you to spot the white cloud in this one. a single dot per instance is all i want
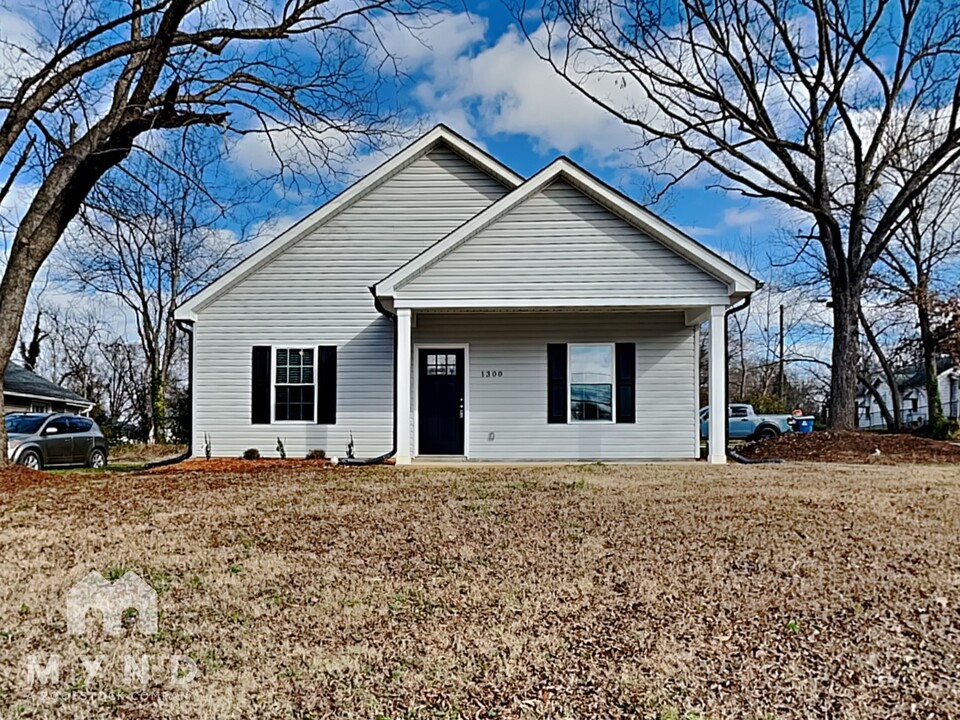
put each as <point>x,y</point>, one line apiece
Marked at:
<point>484,86</point>
<point>739,217</point>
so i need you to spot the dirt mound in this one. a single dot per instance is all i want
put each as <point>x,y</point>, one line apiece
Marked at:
<point>854,447</point>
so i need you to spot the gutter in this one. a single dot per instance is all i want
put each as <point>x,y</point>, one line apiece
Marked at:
<point>379,459</point>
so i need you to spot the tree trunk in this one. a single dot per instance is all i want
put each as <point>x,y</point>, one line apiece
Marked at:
<point>894,424</point>
<point>846,357</point>
<point>928,343</point>
<point>158,406</point>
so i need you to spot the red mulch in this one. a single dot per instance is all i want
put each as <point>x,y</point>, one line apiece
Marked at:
<point>239,465</point>
<point>854,447</point>
<point>17,477</point>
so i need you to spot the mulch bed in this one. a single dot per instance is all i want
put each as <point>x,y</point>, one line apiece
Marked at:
<point>239,465</point>
<point>854,447</point>
<point>16,477</point>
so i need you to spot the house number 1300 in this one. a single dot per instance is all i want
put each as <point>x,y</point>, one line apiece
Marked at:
<point>491,373</point>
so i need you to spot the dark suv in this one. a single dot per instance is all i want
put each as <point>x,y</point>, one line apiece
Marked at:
<point>39,440</point>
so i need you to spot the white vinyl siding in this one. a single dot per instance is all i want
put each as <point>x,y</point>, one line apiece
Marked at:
<point>562,244</point>
<point>508,384</point>
<point>316,292</point>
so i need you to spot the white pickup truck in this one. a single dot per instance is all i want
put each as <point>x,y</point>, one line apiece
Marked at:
<point>743,423</point>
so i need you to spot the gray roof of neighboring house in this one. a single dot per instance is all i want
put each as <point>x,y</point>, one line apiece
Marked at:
<point>17,380</point>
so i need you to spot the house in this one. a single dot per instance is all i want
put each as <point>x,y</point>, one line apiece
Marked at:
<point>914,406</point>
<point>445,306</point>
<point>25,391</point>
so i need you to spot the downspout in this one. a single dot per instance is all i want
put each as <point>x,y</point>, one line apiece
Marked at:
<point>379,459</point>
<point>732,454</point>
<point>184,326</point>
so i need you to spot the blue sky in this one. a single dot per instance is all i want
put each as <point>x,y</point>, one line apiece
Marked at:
<point>473,70</point>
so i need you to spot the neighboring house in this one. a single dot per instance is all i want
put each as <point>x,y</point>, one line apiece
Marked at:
<point>444,306</point>
<point>914,407</point>
<point>25,391</point>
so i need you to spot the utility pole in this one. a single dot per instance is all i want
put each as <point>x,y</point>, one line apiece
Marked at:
<point>781,377</point>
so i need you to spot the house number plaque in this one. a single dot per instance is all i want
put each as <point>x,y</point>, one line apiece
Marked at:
<point>491,373</point>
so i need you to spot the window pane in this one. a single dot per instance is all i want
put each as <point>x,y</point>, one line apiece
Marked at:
<point>591,402</point>
<point>306,357</point>
<point>281,374</point>
<point>591,382</point>
<point>281,357</point>
<point>306,374</point>
<point>294,402</point>
<point>294,375</point>
<point>591,364</point>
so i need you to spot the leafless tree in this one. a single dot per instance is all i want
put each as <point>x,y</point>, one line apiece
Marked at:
<point>804,104</point>
<point>151,249</point>
<point>920,265</point>
<point>102,79</point>
<point>86,354</point>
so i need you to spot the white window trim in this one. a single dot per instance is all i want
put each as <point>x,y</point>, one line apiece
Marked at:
<point>274,383</point>
<point>613,384</point>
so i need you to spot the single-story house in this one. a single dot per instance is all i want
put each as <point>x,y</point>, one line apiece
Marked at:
<point>25,391</point>
<point>914,405</point>
<point>445,306</point>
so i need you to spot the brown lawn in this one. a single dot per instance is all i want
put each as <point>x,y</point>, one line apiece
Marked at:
<point>683,591</point>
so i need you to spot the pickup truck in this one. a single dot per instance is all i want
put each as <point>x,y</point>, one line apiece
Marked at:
<point>743,423</point>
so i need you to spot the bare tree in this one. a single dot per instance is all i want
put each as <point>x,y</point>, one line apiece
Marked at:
<point>151,250</point>
<point>919,265</point>
<point>104,76</point>
<point>802,104</point>
<point>87,355</point>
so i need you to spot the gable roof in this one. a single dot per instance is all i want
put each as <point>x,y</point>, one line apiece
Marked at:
<point>17,380</point>
<point>739,282</point>
<point>439,135</point>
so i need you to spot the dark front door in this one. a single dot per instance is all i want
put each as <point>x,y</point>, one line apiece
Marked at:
<point>440,401</point>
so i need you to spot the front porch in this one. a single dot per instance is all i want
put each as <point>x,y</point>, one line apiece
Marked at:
<point>476,384</point>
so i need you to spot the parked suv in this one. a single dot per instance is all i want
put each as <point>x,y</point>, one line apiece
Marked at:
<point>39,440</point>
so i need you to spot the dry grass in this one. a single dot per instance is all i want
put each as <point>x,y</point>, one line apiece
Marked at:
<point>651,591</point>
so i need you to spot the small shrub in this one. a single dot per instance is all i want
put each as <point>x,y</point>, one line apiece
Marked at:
<point>282,450</point>
<point>317,455</point>
<point>251,454</point>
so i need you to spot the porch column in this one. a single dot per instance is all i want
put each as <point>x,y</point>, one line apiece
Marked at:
<point>717,439</point>
<point>404,317</point>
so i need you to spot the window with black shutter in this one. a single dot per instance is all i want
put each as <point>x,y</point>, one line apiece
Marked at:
<point>626,382</point>
<point>260,386</point>
<point>295,384</point>
<point>326,385</point>
<point>557,383</point>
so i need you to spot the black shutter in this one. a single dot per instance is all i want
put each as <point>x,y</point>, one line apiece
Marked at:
<point>260,389</point>
<point>557,383</point>
<point>327,385</point>
<point>626,382</point>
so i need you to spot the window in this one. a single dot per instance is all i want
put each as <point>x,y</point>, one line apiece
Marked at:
<point>737,411</point>
<point>591,383</point>
<point>60,424</point>
<point>80,425</point>
<point>295,388</point>
<point>441,364</point>
<point>39,408</point>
